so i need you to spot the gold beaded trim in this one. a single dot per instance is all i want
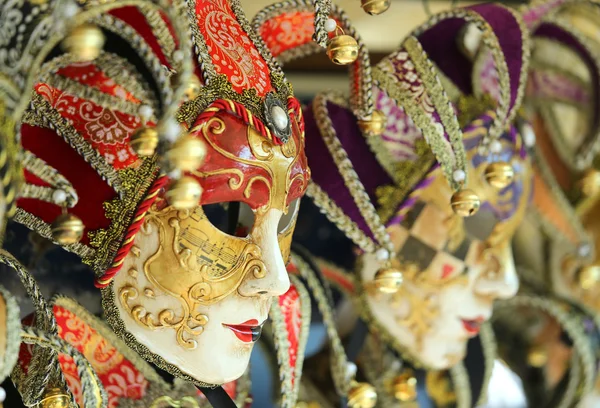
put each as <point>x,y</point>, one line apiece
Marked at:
<point>344,166</point>
<point>321,292</point>
<point>457,157</point>
<point>50,175</point>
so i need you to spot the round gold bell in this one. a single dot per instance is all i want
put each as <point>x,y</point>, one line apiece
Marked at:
<point>590,182</point>
<point>342,49</point>
<point>84,42</point>
<point>362,395</point>
<point>144,141</point>
<point>375,7</point>
<point>67,229</point>
<point>55,398</point>
<point>589,276</point>
<point>375,125</point>
<point>465,203</point>
<point>499,175</point>
<point>388,280</point>
<point>187,153</point>
<point>193,88</point>
<point>537,356</point>
<point>404,387</point>
<point>185,193</point>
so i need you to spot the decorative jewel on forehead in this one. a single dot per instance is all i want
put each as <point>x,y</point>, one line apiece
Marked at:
<point>277,118</point>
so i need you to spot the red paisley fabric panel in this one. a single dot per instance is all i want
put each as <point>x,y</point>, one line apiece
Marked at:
<point>290,305</point>
<point>287,31</point>
<point>118,375</point>
<point>231,50</point>
<point>107,130</point>
<point>90,75</point>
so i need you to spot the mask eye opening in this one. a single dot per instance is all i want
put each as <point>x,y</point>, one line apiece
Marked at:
<point>287,220</point>
<point>234,218</point>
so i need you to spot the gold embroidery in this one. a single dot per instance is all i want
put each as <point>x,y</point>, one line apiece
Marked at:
<point>120,211</point>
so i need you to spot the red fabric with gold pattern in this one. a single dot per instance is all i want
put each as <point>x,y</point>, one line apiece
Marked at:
<point>290,306</point>
<point>230,47</point>
<point>122,378</point>
<point>288,31</point>
<point>291,323</point>
<point>294,27</point>
<point>106,130</point>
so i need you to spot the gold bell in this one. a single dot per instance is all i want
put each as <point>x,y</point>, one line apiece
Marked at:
<point>67,229</point>
<point>84,42</point>
<point>144,141</point>
<point>499,175</point>
<point>404,387</point>
<point>375,7</point>
<point>193,88</point>
<point>537,356</point>
<point>342,49</point>
<point>184,194</point>
<point>362,395</point>
<point>55,398</point>
<point>589,276</point>
<point>590,182</point>
<point>388,280</point>
<point>375,125</point>
<point>465,203</point>
<point>187,153</point>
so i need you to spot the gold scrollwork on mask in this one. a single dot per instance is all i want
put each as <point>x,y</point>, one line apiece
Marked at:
<point>186,326</point>
<point>194,264</point>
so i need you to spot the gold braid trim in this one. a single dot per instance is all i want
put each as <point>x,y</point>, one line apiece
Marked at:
<point>72,87</point>
<point>339,218</point>
<point>457,157</point>
<point>346,170</point>
<point>52,119</point>
<point>120,212</point>
<point>322,294</point>
<point>591,146</point>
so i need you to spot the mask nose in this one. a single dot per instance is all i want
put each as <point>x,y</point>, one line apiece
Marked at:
<point>501,283</point>
<point>276,281</point>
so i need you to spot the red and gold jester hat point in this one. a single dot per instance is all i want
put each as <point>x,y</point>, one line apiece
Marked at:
<point>77,131</point>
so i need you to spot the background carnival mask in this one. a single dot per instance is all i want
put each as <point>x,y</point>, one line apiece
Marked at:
<point>378,181</point>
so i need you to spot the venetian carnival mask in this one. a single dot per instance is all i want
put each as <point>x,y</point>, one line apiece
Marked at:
<point>454,267</point>
<point>557,243</point>
<point>187,287</point>
<point>193,291</point>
